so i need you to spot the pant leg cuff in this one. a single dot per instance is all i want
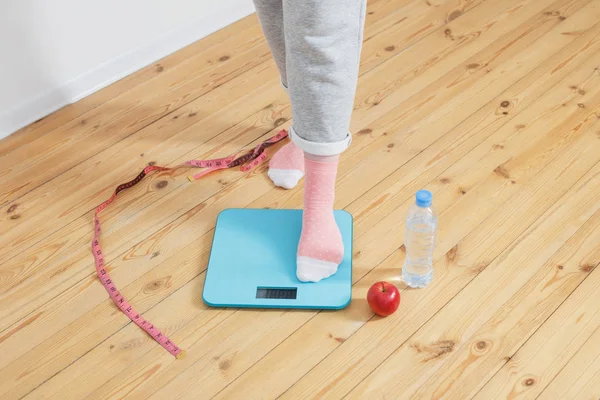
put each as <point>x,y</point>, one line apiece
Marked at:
<point>284,86</point>
<point>320,149</point>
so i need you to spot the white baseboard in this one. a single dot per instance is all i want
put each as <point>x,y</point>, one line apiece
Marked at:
<point>222,13</point>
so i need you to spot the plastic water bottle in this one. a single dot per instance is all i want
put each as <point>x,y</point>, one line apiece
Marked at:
<point>419,241</point>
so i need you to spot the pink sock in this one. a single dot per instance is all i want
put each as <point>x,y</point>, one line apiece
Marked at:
<point>287,166</point>
<point>321,249</point>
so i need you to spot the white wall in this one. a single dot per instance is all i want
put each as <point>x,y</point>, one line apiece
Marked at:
<point>54,52</point>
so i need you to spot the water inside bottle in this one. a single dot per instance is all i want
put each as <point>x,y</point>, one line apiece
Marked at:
<point>420,240</point>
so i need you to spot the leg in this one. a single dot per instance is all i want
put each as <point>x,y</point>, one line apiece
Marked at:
<point>323,42</point>
<point>286,167</point>
<point>270,15</point>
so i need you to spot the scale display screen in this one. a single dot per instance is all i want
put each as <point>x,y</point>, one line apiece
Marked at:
<point>276,293</point>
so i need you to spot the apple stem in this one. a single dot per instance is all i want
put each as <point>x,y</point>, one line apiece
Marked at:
<point>382,287</point>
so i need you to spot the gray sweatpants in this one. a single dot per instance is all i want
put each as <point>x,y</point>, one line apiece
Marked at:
<point>316,45</point>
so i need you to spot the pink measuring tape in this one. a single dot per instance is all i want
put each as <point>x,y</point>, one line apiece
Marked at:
<point>247,162</point>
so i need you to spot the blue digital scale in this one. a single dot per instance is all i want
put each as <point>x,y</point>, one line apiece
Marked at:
<point>253,263</point>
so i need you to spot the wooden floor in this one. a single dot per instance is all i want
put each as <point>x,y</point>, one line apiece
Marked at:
<point>494,106</point>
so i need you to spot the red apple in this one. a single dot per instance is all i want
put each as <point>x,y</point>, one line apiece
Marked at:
<point>383,298</point>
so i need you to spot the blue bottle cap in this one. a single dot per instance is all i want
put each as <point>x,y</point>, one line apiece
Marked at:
<point>424,198</point>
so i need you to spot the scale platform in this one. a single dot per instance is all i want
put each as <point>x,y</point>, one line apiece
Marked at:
<point>253,263</point>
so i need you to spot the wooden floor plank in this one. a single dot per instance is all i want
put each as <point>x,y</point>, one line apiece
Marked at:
<point>580,379</point>
<point>528,371</point>
<point>410,24</point>
<point>505,171</point>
